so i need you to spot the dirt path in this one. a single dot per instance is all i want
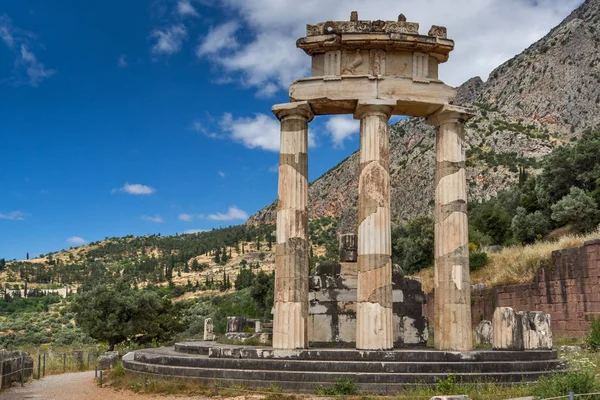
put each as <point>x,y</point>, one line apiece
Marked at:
<point>77,386</point>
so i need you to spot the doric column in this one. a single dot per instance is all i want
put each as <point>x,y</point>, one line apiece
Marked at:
<point>452,308</point>
<point>290,318</point>
<point>374,330</point>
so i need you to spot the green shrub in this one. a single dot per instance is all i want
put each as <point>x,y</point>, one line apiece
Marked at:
<point>345,386</point>
<point>478,261</point>
<point>118,371</point>
<point>582,381</point>
<point>447,386</point>
<point>593,338</point>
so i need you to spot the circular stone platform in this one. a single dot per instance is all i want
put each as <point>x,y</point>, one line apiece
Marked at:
<point>307,370</point>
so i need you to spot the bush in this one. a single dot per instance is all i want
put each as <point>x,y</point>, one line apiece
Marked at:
<point>342,386</point>
<point>527,228</point>
<point>593,338</point>
<point>577,208</point>
<point>582,381</point>
<point>478,261</point>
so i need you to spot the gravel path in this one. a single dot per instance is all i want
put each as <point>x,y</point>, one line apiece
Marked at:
<point>77,386</point>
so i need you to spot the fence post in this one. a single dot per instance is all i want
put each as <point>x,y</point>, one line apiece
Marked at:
<point>44,366</point>
<point>64,362</point>
<point>96,371</point>
<point>1,372</point>
<point>39,364</point>
<point>571,395</point>
<point>216,389</point>
<point>22,370</point>
<point>88,363</point>
<point>100,378</point>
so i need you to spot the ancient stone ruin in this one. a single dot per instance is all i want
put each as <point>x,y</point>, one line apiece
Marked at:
<point>333,298</point>
<point>372,70</point>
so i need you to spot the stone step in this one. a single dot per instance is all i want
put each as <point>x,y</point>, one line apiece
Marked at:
<point>310,380</point>
<point>172,358</point>
<point>423,355</point>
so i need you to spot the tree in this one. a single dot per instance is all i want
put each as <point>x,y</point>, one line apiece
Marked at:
<point>491,219</point>
<point>527,228</point>
<point>262,293</point>
<point>244,279</point>
<point>578,209</point>
<point>412,244</point>
<point>115,312</point>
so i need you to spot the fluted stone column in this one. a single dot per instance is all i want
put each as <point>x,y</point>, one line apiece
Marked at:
<point>452,308</point>
<point>290,318</point>
<point>374,330</point>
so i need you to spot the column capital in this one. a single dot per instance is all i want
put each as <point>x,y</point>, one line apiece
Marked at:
<point>365,107</point>
<point>295,109</point>
<point>450,113</point>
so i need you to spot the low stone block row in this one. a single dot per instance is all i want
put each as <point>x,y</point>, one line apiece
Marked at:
<point>305,370</point>
<point>511,330</point>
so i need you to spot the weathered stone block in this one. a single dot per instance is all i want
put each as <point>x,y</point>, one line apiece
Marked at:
<point>235,324</point>
<point>208,329</point>
<point>507,329</point>
<point>108,360</point>
<point>537,332</point>
<point>483,332</point>
<point>348,247</point>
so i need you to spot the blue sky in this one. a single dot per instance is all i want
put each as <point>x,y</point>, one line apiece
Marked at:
<point>141,117</point>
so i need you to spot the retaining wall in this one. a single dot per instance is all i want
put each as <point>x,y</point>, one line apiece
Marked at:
<point>567,287</point>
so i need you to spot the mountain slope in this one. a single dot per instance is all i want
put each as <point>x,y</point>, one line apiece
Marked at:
<point>541,98</point>
<point>557,79</point>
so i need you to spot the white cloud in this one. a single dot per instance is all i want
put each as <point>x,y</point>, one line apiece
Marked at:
<point>19,42</point>
<point>35,70</point>
<point>341,127</point>
<point>76,240</point>
<point>186,217</point>
<point>169,40</point>
<point>153,218</point>
<point>258,132</point>
<point>186,9</point>
<point>221,174</point>
<point>14,216</point>
<point>233,213</point>
<point>199,127</point>
<point>191,231</point>
<point>123,61</point>
<point>274,168</point>
<point>135,189</point>
<point>217,39</point>
<point>486,32</point>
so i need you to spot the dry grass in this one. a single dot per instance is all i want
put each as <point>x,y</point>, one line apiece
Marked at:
<point>514,265</point>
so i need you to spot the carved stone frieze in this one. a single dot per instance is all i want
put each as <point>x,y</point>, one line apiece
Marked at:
<point>438,31</point>
<point>363,26</point>
<point>377,60</point>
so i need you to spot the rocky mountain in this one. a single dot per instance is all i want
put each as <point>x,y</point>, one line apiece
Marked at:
<point>541,98</point>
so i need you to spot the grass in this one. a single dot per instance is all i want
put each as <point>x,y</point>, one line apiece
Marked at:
<point>514,265</point>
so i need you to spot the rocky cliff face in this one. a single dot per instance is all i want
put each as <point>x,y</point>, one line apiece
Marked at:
<point>532,103</point>
<point>557,79</point>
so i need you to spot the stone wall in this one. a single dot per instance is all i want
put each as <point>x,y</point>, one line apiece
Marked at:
<point>332,307</point>
<point>567,287</point>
